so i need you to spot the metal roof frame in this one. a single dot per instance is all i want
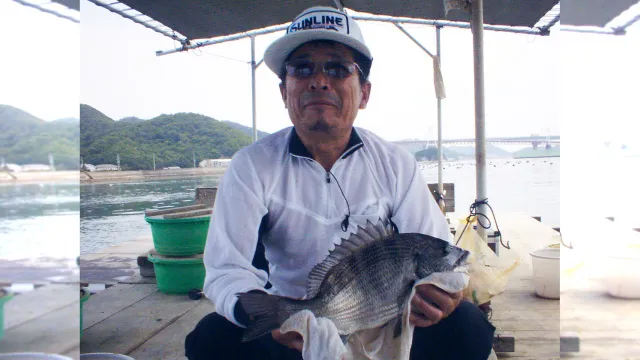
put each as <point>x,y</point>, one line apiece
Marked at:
<point>207,19</point>
<point>64,9</point>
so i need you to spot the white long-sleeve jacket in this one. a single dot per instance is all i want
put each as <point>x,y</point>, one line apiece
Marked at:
<point>276,180</point>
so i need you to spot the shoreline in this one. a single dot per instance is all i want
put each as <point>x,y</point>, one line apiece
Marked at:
<point>39,177</point>
<point>106,177</point>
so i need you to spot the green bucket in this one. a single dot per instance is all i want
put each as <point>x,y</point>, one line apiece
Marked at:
<point>179,237</point>
<point>178,275</point>
<point>4,297</point>
<point>85,293</point>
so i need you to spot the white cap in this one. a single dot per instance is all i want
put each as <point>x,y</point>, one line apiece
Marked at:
<point>315,23</point>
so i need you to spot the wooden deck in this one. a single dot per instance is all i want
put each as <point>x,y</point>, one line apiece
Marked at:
<point>45,319</point>
<point>133,318</point>
<point>533,322</point>
<point>606,327</point>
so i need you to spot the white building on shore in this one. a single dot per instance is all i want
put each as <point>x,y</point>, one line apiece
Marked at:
<point>35,167</point>
<point>106,167</point>
<point>214,163</point>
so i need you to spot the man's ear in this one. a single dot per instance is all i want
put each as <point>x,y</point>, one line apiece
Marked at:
<point>366,92</point>
<point>283,93</point>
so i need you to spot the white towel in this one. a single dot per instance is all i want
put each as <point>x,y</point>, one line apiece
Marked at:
<point>322,341</point>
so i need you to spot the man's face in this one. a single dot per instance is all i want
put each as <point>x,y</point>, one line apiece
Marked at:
<point>321,104</point>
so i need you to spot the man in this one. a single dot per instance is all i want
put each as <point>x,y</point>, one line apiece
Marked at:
<point>302,189</point>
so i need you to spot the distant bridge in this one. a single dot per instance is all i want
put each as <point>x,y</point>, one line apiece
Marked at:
<point>534,140</point>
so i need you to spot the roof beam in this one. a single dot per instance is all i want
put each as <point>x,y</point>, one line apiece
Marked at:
<point>380,18</point>
<point>48,11</point>
<point>183,40</point>
<point>339,5</point>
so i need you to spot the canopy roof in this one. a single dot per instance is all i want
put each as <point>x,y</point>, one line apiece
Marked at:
<point>203,19</point>
<point>66,9</point>
<point>593,12</point>
<point>71,4</point>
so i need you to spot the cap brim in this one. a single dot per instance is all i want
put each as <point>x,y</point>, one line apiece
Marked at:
<point>280,49</point>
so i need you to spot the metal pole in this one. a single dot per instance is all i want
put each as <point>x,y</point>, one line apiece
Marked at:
<point>414,39</point>
<point>253,86</point>
<point>381,18</point>
<point>440,186</point>
<point>478,68</point>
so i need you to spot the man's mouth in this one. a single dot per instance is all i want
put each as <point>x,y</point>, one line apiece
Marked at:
<point>319,103</point>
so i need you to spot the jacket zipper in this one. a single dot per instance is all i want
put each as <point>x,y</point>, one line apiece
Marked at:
<point>328,194</point>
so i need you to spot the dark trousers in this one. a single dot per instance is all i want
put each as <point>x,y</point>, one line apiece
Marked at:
<point>465,335</point>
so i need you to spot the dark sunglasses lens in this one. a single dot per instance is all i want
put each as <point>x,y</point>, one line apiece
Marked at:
<point>337,69</point>
<point>301,69</point>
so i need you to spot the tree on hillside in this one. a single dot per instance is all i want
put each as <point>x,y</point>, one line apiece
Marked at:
<point>26,139</point>
<point>172,138</point>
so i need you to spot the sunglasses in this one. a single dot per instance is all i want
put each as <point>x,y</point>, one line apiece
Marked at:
<point>335,69</point>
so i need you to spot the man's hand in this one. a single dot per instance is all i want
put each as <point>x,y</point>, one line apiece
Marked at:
<point>430,304</point>
<point>292,339</point>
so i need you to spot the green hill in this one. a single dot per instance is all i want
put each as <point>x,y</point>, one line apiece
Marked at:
<point>172,138</point>
<point>540,151</point>
<point>431,154</point>
<point>26,139</point>
<point>492,151</point>
<point>245,129</point>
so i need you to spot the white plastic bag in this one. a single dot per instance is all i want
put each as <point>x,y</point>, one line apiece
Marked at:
<point>488,272</point>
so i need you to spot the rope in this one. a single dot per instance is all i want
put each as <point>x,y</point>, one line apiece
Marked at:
<point>473,212</point>
<point>438,196</point>
<point>345,223</point>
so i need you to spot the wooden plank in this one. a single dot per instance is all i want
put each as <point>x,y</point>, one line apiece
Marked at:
<point>500,314</point>
<point>168,344</point>
<point>522,357</point>
<point>608,350</point>
<point>107,303</point>
<point>530,324</point>
<point>534,350</point>
<point>138,279</point>
<point>131,327</point>
<point>189,214</point>
<point>586,324</point>
<point>56,332</point>
<point>503,343</point>
<point>206,195</point>
<point>604,335</point>
<point>149,213</point>
<point>569,343</point>
<point>515,301</point>
<point>449,195</point>
<point>33,304</point>
<point>540,344</point>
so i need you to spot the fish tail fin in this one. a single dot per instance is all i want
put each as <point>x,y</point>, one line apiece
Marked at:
<point>264,314</point>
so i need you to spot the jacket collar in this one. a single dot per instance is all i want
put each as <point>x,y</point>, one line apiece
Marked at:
<point>297,148</point>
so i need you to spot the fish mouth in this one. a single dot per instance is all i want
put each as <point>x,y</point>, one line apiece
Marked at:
<point>461,264</point>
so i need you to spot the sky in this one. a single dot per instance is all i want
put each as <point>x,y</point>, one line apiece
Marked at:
<point>531,82</point>
<point>40,58</point>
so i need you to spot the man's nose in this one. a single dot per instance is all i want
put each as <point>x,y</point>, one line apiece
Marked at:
<point>319,81</point>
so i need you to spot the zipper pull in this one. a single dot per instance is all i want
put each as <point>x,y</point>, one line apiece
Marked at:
<point>328,179</point>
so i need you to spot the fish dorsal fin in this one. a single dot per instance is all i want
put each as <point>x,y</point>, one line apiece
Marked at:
<point>363,237</point>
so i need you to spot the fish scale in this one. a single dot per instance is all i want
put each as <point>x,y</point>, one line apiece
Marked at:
<point>363,283</point>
